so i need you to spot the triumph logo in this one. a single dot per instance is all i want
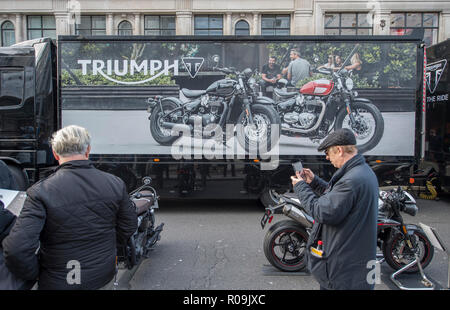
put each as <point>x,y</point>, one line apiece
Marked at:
<point>193,65</point>
<point>110,67</point>
<point>434,73</point>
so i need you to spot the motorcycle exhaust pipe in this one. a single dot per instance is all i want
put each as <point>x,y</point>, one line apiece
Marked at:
<point>177,126</point>
<point>296,215</point>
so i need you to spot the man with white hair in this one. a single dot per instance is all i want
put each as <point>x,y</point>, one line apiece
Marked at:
<point>75,217</point>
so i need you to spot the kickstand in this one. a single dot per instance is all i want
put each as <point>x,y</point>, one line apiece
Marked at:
<point>428,285</point>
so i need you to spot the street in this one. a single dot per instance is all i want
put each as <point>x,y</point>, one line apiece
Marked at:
<point>217,245</point>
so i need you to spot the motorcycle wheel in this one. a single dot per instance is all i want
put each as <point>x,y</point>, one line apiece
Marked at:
<point>285,246</point>
<point>369,127</point>
<point>398,254</point>
<point>259,135</point>
<point>162,135</point>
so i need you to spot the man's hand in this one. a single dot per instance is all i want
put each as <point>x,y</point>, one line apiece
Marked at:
<point>296,179</point>
<point>307,175</point>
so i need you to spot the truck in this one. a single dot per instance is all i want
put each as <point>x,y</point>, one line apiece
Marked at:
<point>437,122</point>
<point>148,103</point>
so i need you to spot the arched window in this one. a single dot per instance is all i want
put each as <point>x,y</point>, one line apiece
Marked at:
<point>8,35</point>
<point>242,28</point>
<point>125,28</point>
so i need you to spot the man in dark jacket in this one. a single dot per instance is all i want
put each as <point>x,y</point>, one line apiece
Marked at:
<point>75,217</point>
<point>342,245</point>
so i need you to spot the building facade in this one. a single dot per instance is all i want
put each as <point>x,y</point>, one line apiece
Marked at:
<point>28,19</point>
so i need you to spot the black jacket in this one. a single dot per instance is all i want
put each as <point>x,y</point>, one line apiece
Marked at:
<point>76,214</point>
<point>345,211</point>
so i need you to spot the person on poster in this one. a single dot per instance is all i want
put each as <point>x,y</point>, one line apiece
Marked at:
<point>75,217</point>
<point>343,240</point>
<point>270,74</point>
<point>329,64</point>
<point>298,69</point>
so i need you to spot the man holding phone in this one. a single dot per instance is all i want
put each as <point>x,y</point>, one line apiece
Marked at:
<point>345,214</point>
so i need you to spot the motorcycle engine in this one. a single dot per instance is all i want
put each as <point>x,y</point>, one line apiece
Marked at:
<point>209,111</point>
<point>305,114</point>
<point>302,120</point>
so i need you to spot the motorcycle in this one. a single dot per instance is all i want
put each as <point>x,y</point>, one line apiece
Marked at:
<point>285,242</point>
<point>147,234</point>
<point>226,101</point>
<point>322,105</point>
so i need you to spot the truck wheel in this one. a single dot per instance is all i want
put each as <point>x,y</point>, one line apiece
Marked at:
<point>20,178</point>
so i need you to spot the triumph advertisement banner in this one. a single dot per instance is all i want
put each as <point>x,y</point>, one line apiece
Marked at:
<point>227,99</point>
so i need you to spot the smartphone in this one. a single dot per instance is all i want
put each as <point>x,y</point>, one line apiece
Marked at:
<point>298,166</point>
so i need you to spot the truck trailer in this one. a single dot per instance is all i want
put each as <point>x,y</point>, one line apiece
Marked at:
<point>192,112</point>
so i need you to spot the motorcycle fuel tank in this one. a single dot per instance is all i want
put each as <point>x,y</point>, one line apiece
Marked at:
<point>317,88</point>
<point>223,88</point>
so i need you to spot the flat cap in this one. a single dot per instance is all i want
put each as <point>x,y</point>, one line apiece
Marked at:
<point>343,136</point>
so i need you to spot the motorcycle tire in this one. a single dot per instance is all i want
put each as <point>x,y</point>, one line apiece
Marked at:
<point>156,131</point>
<point>397,242</point>
<point>286,238</point>
<point>379,124</point>
<point>261,113</point>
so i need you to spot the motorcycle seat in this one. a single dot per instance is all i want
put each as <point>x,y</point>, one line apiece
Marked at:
<point>143,204</point>
<point>192,93</point>
<point>285,94</point>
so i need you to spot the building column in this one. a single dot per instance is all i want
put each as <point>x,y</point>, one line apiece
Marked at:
<point>110,24</point>
<point>184,23</point>
<point>444,27</point>
<point>228,27</point>
<point>256,24</point>
<point>303,22</point>
<point>63,22</point>
<point>19,29</point>
<point>137,24</point>
<point>382,22</point>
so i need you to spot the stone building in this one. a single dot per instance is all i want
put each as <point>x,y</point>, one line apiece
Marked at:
<point>27,19</point>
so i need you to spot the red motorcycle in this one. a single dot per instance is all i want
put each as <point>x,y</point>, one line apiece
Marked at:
<point>325,105</point>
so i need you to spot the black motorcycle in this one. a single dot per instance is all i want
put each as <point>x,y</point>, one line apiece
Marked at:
<point>398,241</point>
<point>326,104</point>
<point>147,234</point>
<point>226,101</point>
<point>285,241</point>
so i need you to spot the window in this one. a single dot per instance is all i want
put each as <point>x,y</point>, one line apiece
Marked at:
<point>91,25</point>
<point>11,88</point>
<point>156,25</point>
<point>8,35</point>
<point>275,25</point>
<point>405,23</point>
<point>242,28</point>
<point>41,26</point>
<point>208,25</point>
<point>348,24</point>
<point>125,28</point>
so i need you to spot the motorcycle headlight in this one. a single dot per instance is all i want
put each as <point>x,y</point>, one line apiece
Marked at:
<point>349,83</point>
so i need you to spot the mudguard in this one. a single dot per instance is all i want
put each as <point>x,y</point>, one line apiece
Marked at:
<point>264,100</point>
<point>154,103</point>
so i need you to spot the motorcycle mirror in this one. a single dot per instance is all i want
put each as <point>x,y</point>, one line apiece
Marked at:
<point>147,180</point>
<point>316,59</point>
